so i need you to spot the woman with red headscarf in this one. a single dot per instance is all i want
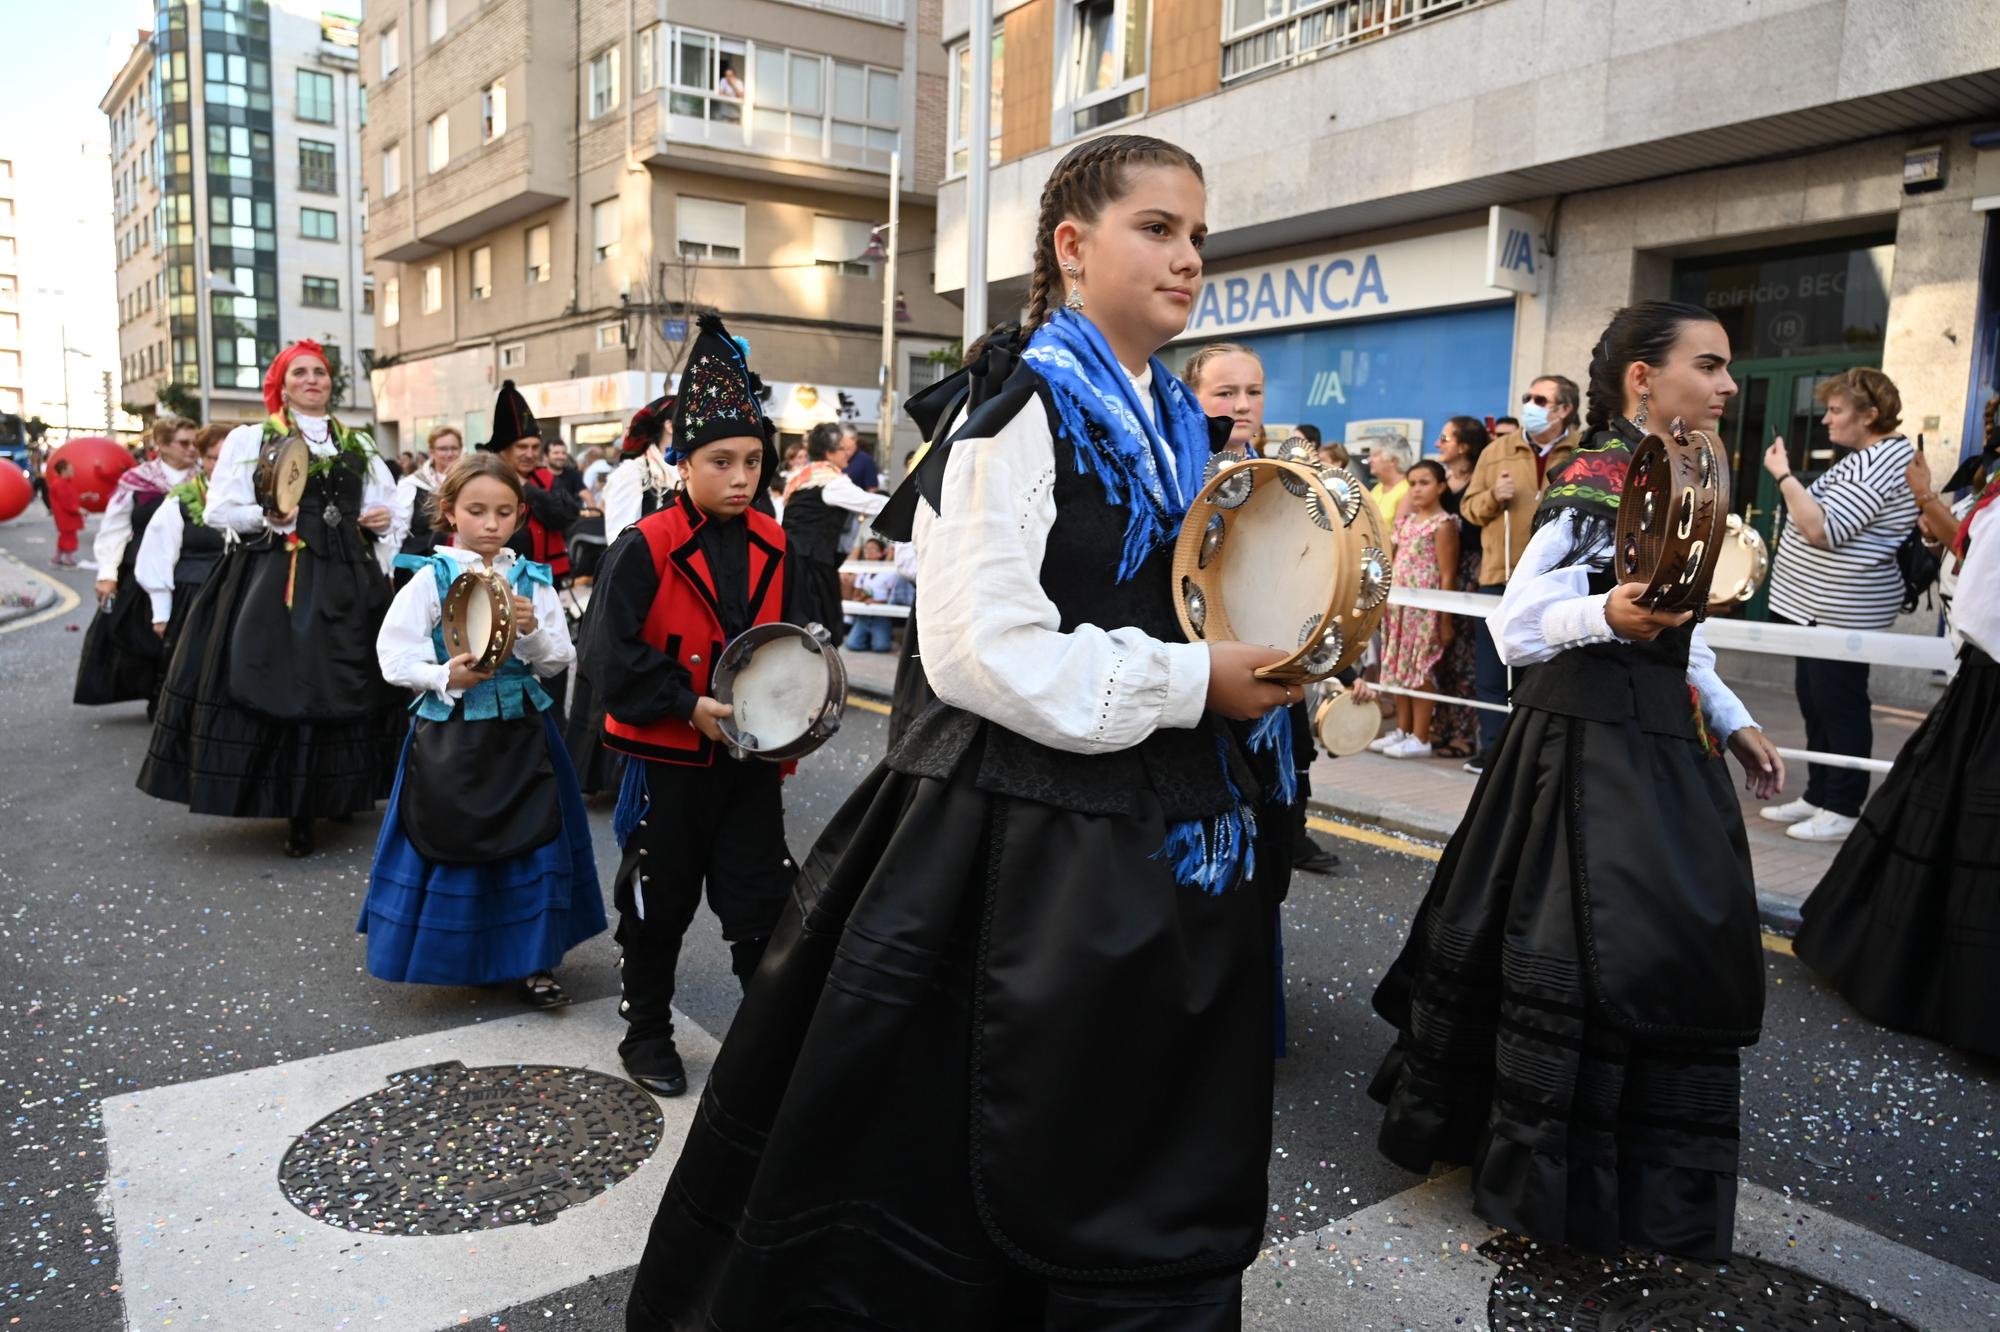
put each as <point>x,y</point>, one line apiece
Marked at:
<point>274,705</point>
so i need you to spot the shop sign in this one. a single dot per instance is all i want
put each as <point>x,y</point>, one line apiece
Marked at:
<point>1396,277</point>
<point>1515,259</point>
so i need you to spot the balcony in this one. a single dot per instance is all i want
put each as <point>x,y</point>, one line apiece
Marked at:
<point>1313,29</point>
<point>504,181</point>
<point>879,11</point>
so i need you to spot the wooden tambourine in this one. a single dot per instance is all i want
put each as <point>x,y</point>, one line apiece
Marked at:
<point>280,478</point>
<point>1263,557</point>
<point>479,618</point>
<point>787,689</point>
<point>1672,517</point>
<point>1741,567</point>
<point>1345,725</point>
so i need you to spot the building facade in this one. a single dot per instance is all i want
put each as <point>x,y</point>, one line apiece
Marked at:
<point>1418,206</point>
<point>236,202</point>
<point>557,189</point>
<point>11,382</point>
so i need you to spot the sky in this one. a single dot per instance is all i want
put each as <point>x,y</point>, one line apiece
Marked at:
<point>62,58</point>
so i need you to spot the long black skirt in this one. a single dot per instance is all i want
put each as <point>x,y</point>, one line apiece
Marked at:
<point>993,1053</point>
<point>1574,991</point>
<point>244,739</point>
<point>120,661</point>
<point>1906,922</point>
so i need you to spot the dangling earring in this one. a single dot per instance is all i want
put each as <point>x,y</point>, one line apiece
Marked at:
<point>1639,421</point>
<point>1075,300</point>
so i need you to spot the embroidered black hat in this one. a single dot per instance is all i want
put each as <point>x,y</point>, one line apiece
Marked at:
<point>718,393</point>
<point>647,426</point>
<point>512,420</point>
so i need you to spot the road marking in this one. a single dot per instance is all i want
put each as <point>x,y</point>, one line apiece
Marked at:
<point>66,601</point>
<point>1374,837</point>
<point>1777,943</point>
<point>205,1235</point>
<point>868,705</point>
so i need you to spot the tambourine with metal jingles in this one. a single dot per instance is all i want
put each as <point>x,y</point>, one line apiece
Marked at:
<point>1672,516</point>
<point>1741,567</point>
<point>1281,552</point>
<point>479,618</point>
<point>280,479</point>
<point>787,687</point>
<point>1344,725</point>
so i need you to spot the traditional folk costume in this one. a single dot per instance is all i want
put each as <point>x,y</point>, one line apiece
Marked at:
<point>176,556</point>
<point>1007,1062</point>
<point>273,704</point>
<point>818,501</point>
<point>121,654</point>
<point>641,485</point>
<point>1906,921</point>
<point>1586,964</point>
<point>675,588</point>
<point>551,512</point>
<point>411,531</point>
<point>484,871</point>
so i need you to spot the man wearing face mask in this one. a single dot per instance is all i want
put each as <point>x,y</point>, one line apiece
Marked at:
<point>1500,500</point>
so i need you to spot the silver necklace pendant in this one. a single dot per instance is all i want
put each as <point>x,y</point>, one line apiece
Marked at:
<point>330,515</point>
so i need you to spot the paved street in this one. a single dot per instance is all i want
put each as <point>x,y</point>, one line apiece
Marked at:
<point>178,1003</point>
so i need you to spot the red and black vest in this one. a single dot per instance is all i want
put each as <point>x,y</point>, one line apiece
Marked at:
<point>686,621</point>
<point>547,546</point>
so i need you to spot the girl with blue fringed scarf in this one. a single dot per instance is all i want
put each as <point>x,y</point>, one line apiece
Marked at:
<point>1007,1061</point>
<point>484,871</point>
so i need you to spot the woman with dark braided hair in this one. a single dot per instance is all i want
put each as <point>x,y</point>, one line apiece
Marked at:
<point>1586,965</point>
<point>1006,1062</point>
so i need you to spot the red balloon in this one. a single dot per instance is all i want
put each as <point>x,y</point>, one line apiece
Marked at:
<point>97,463</point>
<point>16,491</point>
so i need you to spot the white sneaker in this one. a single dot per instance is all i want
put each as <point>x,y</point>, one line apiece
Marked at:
<point>1408,747</point>
<point>1381,746</point>
<point>1794,811</point>
<point>1825,826</point>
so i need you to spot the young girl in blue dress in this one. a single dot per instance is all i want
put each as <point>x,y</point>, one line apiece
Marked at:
<point>484,871</point>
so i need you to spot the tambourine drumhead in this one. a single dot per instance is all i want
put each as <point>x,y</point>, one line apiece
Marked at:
<point>282,468</point>
<point>1740,566</point>
<point>479,618</point>
<point>1672,515</point>
<point>787,690</point>
<point>1345,725</point>
<point>1262,558</point>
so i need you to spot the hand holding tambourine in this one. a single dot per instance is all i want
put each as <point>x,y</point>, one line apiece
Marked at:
<point>524,617</point>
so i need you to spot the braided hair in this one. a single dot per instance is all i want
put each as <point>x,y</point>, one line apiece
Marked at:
<point>1643,332</point>
<point>1088,177</point>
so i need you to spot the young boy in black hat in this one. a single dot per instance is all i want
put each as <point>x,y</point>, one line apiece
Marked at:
<point>673,590</point>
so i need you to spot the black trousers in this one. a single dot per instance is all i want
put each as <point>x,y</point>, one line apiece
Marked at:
<point>720,829</point>
<point>1489,678</point>
<point>1833,698</point>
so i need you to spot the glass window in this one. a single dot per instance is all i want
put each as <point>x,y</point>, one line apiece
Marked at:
<point>603,83</point>
<point>493,110</point>
<point>315,97</point>
<point>437,135</point>
<point>319,224</point>
<point>388,53</point>
<point>440,19</point>
<point>392,302</point>
<point>538,253</point>
<point>838,244</point>
<point>316,167</point>
<point>604,230</point>
<point>513,355</point>
<point>433,288</point>
<point>482,272</point>
<point>1105,77</point>
<point>368,294</point>
<point>709,228</point>
<point>392,169</point>
<point>610,335</point>
<point>647,53</point>
<point>321,293</point>
<point>961,102</point>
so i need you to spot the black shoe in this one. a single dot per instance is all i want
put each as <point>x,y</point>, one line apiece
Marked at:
<point>662,1075</point>
<point>542,991</point>
<point>1318,860</point>
<point>299,839</point>
<point>1476,765</point>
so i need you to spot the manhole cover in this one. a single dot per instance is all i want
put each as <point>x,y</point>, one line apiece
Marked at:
<point>1541,1289</point>
<point>446,1149</point>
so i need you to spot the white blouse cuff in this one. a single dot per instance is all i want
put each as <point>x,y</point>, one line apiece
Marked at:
<point>1187,685</point>
<point>1577,621</point>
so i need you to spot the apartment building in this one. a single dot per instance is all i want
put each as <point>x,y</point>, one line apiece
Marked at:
<point>11,395</point>
<point>557,189</point>
<point>1417,206</point>
<point>236,201</point>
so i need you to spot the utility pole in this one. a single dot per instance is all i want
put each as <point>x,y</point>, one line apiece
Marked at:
<point>977,169</point>
<point>885,430</point>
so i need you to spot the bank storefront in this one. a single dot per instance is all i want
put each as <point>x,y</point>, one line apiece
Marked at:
<point>1396,336</point>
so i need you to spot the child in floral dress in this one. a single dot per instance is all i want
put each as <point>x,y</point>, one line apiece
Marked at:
<point>1426,555</point>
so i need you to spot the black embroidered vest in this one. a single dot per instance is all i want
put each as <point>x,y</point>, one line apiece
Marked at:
<point>201,547</point>
<point>329,520</point>
<point>1183,768</point>
<point>1611,682</point>
<point>812,526</point>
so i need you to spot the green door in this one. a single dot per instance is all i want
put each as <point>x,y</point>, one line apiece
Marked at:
<point>1775,398</point>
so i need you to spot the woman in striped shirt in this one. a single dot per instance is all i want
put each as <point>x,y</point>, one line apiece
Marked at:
<point>1836,566</point>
